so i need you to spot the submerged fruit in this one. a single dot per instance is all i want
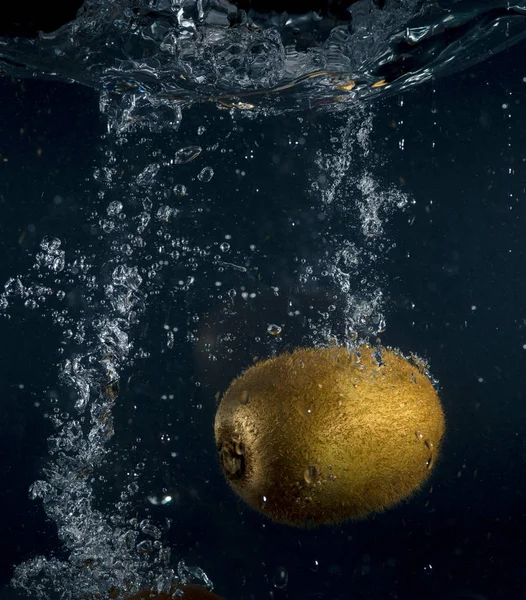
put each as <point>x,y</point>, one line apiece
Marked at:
<point>324,435</point>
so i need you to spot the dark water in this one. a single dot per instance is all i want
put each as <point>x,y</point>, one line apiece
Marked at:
<point>455,288</point>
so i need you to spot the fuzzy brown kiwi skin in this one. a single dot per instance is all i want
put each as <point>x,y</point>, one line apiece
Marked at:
<point>321,436</point>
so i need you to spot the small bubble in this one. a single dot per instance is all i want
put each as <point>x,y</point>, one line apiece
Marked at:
<point>186,155</point>
<point>148,529</point>
<point>280,578</point>
<point>145,547</point>
<point>147,175</point>
<point>31,304</point>
<point>180,189</point>
<point>133,488</point>
<point>274,329</point>
<point>225,247</point>
<point>428,569</point>
<point>244,398</point>
<point>114,208</point>
<point>206,174</point>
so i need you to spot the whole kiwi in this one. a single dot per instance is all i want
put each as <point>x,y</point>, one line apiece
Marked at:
<point>322,435</point>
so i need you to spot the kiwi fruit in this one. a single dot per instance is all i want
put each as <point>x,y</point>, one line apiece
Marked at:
<point>323,435</point>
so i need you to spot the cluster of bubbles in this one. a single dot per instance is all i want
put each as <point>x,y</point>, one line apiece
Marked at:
<point>106,552</point>
<point>97,299</point>
<point>146,243</point>
<point>351,192</point>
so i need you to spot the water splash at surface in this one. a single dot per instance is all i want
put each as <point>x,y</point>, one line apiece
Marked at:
<point>159,55</point>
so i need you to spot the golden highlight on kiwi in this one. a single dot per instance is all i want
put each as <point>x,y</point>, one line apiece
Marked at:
<point>320,436</point>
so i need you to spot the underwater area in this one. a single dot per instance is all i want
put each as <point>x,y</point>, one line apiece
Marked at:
<point>189,188</point>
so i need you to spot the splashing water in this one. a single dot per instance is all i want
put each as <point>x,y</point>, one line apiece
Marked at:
<point>158,55</point>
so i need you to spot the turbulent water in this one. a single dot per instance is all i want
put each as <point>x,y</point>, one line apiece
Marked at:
<point>149,60</point>
<point>164,53</point>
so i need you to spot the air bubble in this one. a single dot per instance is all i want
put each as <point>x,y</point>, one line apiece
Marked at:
<point>186,155</point>
<point>145,547</point>
<point>280,578</point>
<point>147,176</point>
<point>114,208</point>
<point>180,189</point>
<point>274,329</point>
<point>206,174</point>
<point>148,529</point>
<point>310,474</point>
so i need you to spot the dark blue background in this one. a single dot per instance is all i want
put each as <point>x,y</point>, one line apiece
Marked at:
<point>461,245</point>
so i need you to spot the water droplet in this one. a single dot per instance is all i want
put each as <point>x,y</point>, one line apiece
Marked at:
<point>263,502</point>
<point>274,329</point>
